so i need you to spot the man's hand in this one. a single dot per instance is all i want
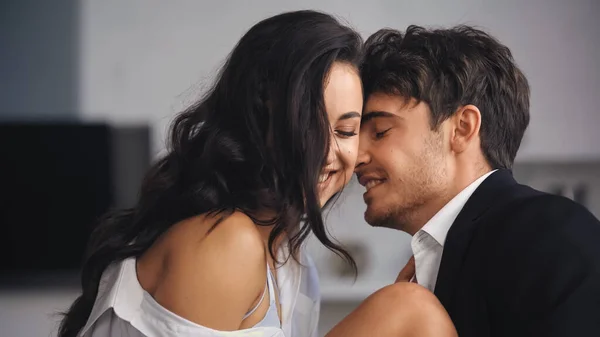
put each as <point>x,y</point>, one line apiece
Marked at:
<point>407,273</point>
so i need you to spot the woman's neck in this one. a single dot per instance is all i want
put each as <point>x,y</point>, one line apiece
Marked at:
<point>265,233</point>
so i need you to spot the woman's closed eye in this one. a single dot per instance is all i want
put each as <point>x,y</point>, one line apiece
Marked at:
<point>346,133</point>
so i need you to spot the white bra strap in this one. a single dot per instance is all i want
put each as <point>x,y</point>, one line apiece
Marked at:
<point>271,285</point>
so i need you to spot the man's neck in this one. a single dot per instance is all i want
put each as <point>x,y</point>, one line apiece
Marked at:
<point>423,214</point>
<point>465,177</point>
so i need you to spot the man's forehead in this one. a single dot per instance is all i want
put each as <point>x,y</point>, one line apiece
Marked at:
<point>389,102</point>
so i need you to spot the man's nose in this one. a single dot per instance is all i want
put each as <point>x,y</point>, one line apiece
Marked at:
<point>363,155</point>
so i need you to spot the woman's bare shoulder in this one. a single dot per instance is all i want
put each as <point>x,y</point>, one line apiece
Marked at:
<point>213,279</point>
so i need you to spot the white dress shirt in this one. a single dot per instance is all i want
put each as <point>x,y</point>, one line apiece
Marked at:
<point>428,243</point>
<point>124,308</point>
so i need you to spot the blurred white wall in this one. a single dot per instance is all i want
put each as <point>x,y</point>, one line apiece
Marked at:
<point>39,55</point>
<point>144,60</point>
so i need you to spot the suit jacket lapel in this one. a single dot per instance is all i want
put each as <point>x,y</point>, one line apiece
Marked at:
<point>460,233</point>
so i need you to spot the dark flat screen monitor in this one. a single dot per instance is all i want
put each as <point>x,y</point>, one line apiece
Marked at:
<point>55,181</point>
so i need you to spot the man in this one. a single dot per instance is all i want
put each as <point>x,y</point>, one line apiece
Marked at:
<point>444,116</point>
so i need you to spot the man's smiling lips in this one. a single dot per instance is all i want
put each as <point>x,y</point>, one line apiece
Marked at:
<point>369,181</point>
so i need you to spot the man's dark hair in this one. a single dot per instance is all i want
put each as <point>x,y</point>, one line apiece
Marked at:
<point>450,68</point>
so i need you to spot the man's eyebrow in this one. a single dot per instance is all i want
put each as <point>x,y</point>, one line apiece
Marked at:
<point>376,114</point>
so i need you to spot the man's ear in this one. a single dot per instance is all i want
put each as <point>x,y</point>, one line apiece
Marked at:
<point>466,124</point>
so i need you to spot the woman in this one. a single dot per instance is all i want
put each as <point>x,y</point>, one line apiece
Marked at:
<point>216,228</point>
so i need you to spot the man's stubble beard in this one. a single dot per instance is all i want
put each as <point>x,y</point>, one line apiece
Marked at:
<point>425,188</point>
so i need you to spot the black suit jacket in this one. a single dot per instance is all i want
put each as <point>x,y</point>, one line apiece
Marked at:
<point>519,262</point>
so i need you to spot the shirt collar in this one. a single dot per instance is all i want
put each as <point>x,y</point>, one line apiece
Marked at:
<point>439,225</point>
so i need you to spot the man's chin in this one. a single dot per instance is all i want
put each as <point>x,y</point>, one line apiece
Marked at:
<point>373,218</point>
